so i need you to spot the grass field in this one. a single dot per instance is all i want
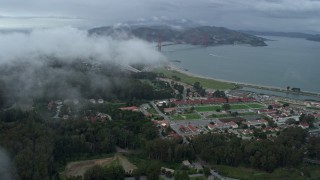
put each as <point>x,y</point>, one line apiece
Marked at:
<point>206,108</point>
<point>152,111</point>
<point>233,106</point>
<point>197,178</point>
<point>282,102</point>
<point>239,106</point>
<point>186,116</point>
<point>207,83</point>
<point>280,173</point>
<point>313,108</point>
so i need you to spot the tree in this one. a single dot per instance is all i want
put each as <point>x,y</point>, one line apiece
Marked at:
<point>97,172</point>
<point>219,94</point>
<point>192,109</point>
<point>288,88</point>
<point>226,106</point>
<point>181,176</point>
<point>153,170</point>
<point>285,105</point>
<point>197,85</point>
<point>206,171</point>
<point>291,111</point>
<point>2,98</point>
<point>115,172</point>
<point>270,107</point>
<point>234,114</point>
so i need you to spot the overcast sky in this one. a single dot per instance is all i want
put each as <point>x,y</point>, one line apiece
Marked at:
<point>275,15</point>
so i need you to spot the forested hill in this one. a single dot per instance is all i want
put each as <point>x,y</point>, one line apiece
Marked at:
<point>311,37</point>
<point>201,35</point>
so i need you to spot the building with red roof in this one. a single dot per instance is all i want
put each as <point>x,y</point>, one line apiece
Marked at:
<point>304,125</point>
<point>193,129</point>
<point>169,110</point>
<point>257,122</point>
<point>317,116</point>
<point>184,129</point>
<point>226,125</point>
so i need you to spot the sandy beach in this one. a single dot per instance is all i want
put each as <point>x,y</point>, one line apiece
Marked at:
<point>277,89</point>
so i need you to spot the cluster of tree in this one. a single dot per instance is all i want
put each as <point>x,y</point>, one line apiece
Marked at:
<point>31,145</point>
<point>168,150</point>
<point>219,94</point>
<point>308,118</point>
<point>2,95</point>
<point>38,147</point>
<point>284,151</point>
<point>104,173</point>
<point>197,86</point>
<point>314,148</point>
<point>88,84</point>
<point>226,106</point>
<point>178,87</point>
<point>136,89</point>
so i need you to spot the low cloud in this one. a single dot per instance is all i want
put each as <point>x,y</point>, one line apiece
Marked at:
<point>7,170</point>
<point>48,62</point>
<point>70,44</point>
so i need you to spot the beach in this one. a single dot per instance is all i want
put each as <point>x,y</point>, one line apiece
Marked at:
<point>173,67</point>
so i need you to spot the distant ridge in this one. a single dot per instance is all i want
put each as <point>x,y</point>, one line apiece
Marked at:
<point>200,35</point>
<point>311,37</point>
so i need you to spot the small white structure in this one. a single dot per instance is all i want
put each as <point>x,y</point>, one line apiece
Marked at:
<point>58,102</point>
<point>100,101</point>
<point>93,101</point>
<point>186,163</point>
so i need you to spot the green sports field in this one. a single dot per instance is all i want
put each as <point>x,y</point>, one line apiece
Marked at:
<point>233,106</point>
<point>206,108</point>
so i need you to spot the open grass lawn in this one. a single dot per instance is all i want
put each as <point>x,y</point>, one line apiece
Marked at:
<point>207,83</point>
<point>152,111</point>
<point>186,116</point>
<point>280,173</point>
<point>283,102</point>
<point>255,105</point>
<point>313,108</point>
<point>233,106</point>
<point>206,108</point>
<point>197,178</point>
<point>239,106</point>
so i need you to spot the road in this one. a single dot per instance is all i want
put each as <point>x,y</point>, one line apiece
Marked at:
<point>215,174</point>
<point>172,123</point>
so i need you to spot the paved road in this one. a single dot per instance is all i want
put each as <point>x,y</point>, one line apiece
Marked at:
<point>215,174</point>
<point>172,123</point>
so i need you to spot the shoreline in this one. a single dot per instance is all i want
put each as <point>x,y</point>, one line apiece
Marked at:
<point>270,88</point>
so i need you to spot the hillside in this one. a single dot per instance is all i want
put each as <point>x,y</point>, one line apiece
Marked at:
<point>201,35</point>
<point>310,37</point>
<point>314,38</point>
